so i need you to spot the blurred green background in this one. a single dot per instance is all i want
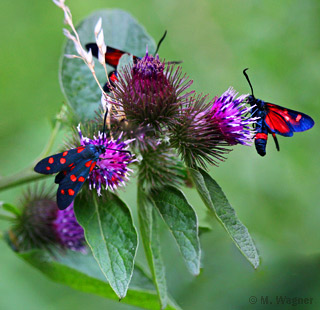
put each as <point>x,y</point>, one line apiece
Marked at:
<point>276,197</point>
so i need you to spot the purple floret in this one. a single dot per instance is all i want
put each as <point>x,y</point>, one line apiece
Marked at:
<point>111,169</point>
<point>69,233</point>
<point>233,117</point>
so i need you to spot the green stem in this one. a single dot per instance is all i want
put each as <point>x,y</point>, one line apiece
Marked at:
<point>20,178</point>
<point>6,217</point>
<point>28,175</point>
<point>46,151</point>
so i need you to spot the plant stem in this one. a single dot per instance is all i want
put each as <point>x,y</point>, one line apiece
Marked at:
<point>20,178</point>
<point>49,145</point>
<point>6,217</point>
<point>28,175</point>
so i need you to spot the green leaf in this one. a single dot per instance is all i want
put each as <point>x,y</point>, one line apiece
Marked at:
<point>126,60</point>
<point>150,237</point>
<point>216,201</point>
<point>182,222</point>
<point>121,31</point>
<point>82,273</point>
<point>111,235</point>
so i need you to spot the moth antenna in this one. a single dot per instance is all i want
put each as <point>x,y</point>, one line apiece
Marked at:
<point>158,46</point>
<point>121,151</point>
<point>246,75</point>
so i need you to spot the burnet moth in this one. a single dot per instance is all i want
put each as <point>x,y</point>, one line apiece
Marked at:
<point>275,119</point>
<point>73,168</point>
<point>112,58</point>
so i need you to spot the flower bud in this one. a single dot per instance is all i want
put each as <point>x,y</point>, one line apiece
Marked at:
<point>151,93</point>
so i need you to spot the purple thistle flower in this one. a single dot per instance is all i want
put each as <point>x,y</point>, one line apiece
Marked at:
<point>197,139</point>
<point>41,225</point>
<point>204,129</point>
<point>149,67</point>
<point>111,169</point>
<point>68,232</point>
<point>233,117</point>
<point>33,228</point>
<point>151,93</point>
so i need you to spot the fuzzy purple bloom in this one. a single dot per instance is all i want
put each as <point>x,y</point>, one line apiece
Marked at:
<point>198,139</point>
<point>205,130</point>
<point>148,67</point>
<point>111,169</point>
<point>233,117</point>
<point>151,93</point>
<point>69,233</point>
<point>42,225</point>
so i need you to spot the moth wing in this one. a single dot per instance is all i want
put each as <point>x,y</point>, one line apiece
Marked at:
<point>276,121</point>
<point>59,162</point>
<point>112,55</point>
<point>71,184</point>
<point>113,77</point>
<point>297,121</point>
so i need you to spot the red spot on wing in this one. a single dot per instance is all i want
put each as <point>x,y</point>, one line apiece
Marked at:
<point>298,118</point>
<point>92,166</point>
<point>51,160</point>
<point>73,178</point>
<point>48,168</point>
<point>65,172</point>
<point>72,168</point>
<point>65,153</point>
<point>70,192</point>
<point>62,192</point>
<point>263,136</point>
<point>81,179</point>
<point>80,149</point>
<point>113,77</point>
<point>287,118</point>
<point>88,163</point>
<point>62,160</point>
<point>71,165</point>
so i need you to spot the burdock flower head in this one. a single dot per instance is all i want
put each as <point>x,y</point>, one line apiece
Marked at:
<point>233,117</point>
<point>151,92</point>
<point>41,225</point>
<point>111,169</point>
<point>196,138</point>
<point>204,129</point>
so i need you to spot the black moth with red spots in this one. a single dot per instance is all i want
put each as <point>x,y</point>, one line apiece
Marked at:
<point>73,166</point>
<point>275,119</point>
